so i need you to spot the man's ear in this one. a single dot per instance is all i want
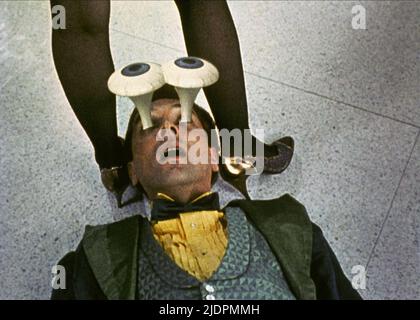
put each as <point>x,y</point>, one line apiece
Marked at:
<point>214,159</point>
<point>132,173</point>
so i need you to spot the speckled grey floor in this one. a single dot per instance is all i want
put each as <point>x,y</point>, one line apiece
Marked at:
<point>350,99</point>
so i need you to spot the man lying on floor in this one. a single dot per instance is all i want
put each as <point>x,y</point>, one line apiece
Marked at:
<point>193,249</point>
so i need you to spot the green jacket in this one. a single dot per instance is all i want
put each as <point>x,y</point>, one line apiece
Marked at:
<point>105,264</point>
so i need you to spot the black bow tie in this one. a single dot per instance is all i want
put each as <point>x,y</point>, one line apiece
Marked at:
<point>164,209</point>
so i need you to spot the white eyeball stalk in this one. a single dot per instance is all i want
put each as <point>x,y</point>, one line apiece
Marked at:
<point>188,75</point>
<point>138,81</point>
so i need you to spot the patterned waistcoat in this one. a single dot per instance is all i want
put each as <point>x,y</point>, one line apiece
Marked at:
<point>248,270</point>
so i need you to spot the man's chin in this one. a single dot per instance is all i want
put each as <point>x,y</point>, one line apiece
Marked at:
<point>176,174</point>
<point>173,168</point>
<point>176,171</point>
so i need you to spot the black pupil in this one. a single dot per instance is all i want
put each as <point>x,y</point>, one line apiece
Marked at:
<point>135,69</point>
<point>189,63</point>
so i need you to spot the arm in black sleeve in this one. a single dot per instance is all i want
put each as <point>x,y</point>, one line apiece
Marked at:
<point>330,280</point>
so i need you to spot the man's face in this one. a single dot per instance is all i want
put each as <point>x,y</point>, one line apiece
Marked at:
<point>149,148</point>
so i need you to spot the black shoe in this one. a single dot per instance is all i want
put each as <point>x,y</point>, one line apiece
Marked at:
<point>115,179</point>
<point>233,169</point>
<point>278,163</point>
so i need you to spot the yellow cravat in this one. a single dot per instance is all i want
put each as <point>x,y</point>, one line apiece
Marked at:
<point>195,241</point>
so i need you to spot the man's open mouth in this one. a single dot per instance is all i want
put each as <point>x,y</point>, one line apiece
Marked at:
<point>173,152</point>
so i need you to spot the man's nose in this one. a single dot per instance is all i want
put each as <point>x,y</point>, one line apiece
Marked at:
<point>171,126</point>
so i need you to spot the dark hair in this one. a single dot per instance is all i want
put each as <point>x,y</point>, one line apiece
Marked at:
<point>206,120</point>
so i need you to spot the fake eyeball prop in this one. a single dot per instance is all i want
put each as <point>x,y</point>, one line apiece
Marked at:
<point>138,81</point>
<point>188,75</point>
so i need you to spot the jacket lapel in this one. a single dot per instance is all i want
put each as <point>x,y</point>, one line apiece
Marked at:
<point>286,226</point>
<point>112,252</point>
